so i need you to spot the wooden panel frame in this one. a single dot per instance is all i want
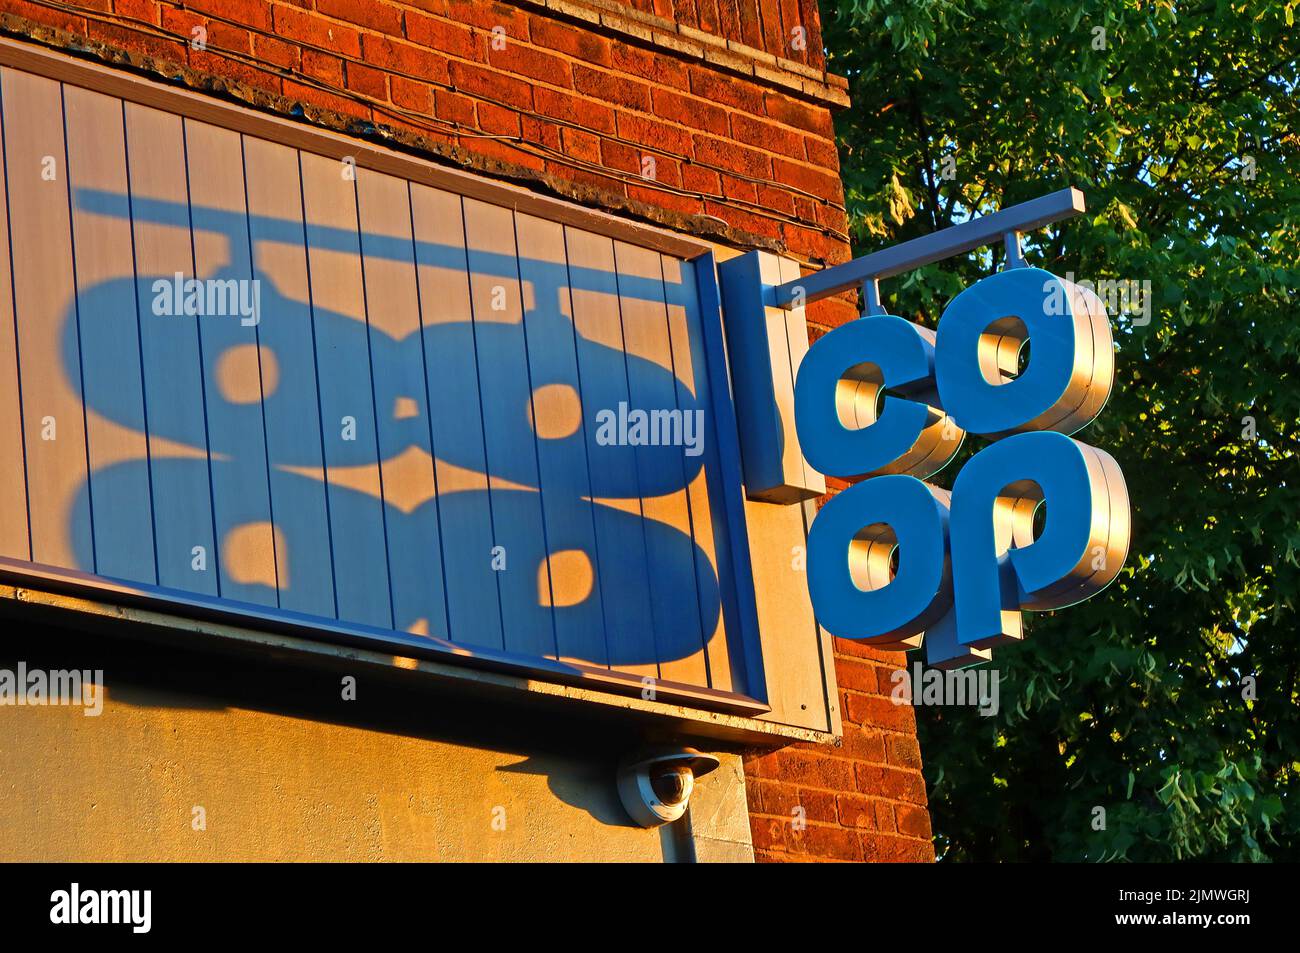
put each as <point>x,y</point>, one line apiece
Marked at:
<point>734,566</point>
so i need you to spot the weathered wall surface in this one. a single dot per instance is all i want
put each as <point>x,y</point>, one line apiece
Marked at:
<point>283,768</point>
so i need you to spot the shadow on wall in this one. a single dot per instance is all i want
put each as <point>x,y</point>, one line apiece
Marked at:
<point>326,466</point>
<point>575,786</point>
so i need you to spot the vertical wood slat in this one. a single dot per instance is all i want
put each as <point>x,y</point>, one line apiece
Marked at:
<point>14,539</point>
<point>518,522</point>
<point>558,424</point>
<point>304,560</point>
<point>674,594</point>
<point>393,307</point>
<point>173,391</point>
<point>622,567</point>
<point>455,420</point>
<point>113,380</point>
<point>347,398</point>
<point>45,302</point>
<point>693,389</point>
<point>794,675</point>
<point>232,366</point>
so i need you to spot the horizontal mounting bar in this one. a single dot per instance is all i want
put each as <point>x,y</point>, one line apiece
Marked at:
<point>928,249</point>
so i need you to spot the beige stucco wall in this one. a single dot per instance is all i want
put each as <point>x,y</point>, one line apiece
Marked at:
<point>284,769</point>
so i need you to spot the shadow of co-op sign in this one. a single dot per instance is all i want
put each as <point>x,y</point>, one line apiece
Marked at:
<point>899,562</point>
<point>341,575</point>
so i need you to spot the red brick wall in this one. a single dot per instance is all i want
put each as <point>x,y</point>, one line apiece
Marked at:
<point>738,121</point>
<point>862,801</point>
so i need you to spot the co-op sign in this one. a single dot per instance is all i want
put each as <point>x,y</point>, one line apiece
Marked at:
<point>896,561</point>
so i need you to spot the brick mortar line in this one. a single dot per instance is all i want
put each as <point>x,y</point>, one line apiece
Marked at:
<point>829,752</point>
<point>873,798</point>
<point>842,826</point>
<point>811,824</point>
<point>834,792</point>
<point>809,850</point>
<point>806,786</point>
<point>837,791</point>
<point>800,790</point>
<point>846,826</point>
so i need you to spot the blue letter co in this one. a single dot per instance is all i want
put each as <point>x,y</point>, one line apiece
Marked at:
<point>881,401</point>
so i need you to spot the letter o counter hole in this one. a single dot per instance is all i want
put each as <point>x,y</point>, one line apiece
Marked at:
<point>555,411</point>
<point>1004,350</point>
<point>873,557</point>
<point>571,579</point>
<point>859,396</point>
<point>244,379</point>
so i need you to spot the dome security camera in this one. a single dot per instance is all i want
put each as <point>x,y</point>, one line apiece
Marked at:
<point>655,784</point>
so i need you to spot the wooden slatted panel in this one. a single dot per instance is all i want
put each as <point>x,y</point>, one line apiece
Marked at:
<point>707,526</point>
<point>558,424</point>
<point>291,403</point>
<point>622,568</point>
<point>14,540</point>
<point>519,533</point>
<point>665,506</point>
<point>424,380</point>
<point>455,421</point>
<point>173,387</point>
<point>232,364</point>
<point>401,402</point>
<point>116,430</point>
<point>347,398</point>
<point>48,337</point>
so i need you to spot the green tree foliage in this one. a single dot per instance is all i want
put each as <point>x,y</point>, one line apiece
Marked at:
<point>1179,122</point>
